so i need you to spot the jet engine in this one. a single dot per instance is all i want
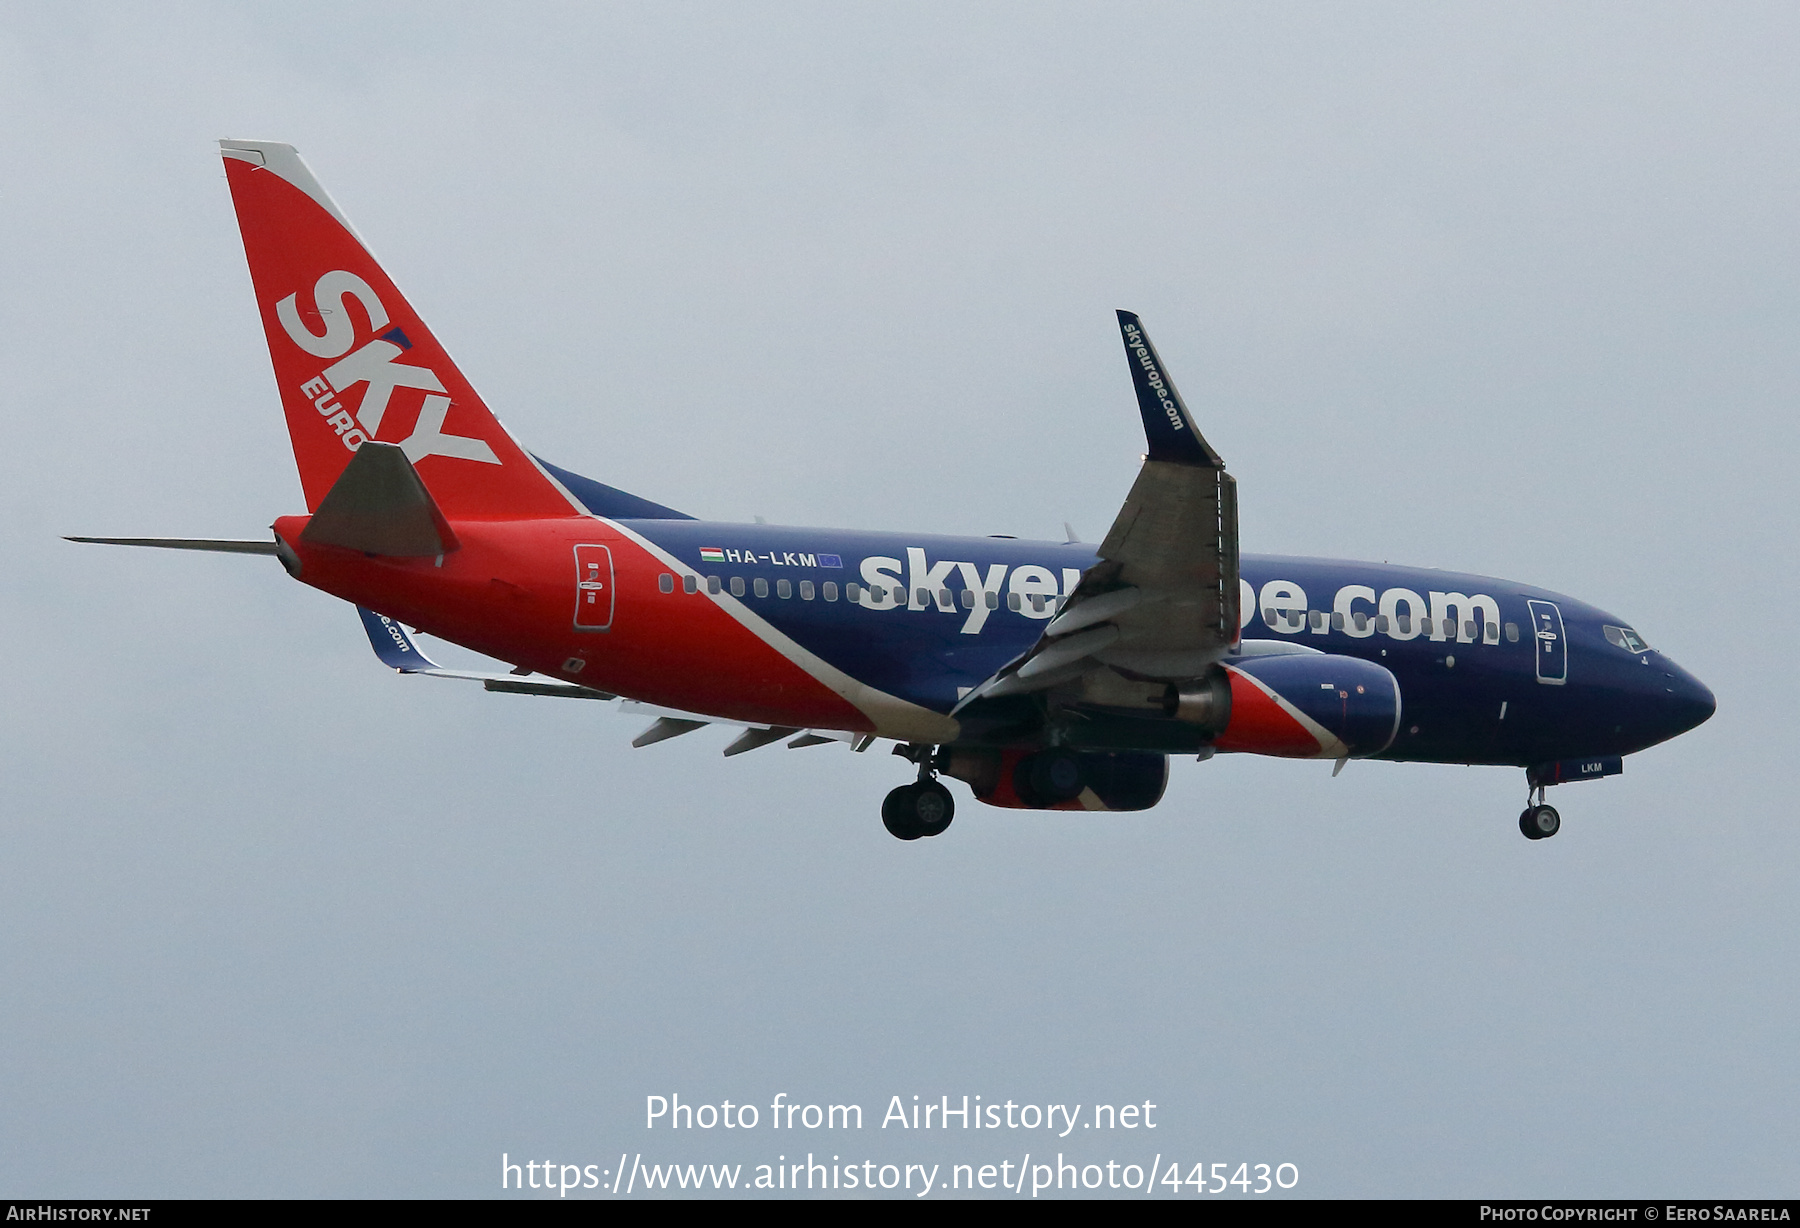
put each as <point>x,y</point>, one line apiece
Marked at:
<point>1304,705</point>
<point>1056,778</point>
<point>1310,706</point>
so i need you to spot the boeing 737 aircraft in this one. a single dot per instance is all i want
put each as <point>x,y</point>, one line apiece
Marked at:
<point>1045,675</point>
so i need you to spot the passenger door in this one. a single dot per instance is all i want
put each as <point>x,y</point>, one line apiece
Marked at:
<point>593,588</point>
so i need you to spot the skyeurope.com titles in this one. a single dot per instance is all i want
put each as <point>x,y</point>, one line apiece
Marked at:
<point>970,1113</point>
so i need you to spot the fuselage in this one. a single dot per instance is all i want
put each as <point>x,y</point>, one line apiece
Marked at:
<point>887,633</point>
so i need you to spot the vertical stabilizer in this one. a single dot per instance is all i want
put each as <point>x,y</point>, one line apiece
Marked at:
<point>355,363</point>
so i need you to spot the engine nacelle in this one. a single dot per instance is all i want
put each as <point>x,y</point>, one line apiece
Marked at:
<point>1060,779</point>
<point>1310,706</point>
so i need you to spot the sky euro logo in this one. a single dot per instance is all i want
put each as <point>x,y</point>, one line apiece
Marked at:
<point>372,365</point>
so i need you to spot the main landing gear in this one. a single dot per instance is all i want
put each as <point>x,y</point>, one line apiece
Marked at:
<point>924,808</point>
<point>1539,821</point>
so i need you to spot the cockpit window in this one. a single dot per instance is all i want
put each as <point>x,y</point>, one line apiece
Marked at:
<point>1626,638</point>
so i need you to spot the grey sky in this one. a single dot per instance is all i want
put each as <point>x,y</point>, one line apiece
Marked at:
<point>1507,289</point>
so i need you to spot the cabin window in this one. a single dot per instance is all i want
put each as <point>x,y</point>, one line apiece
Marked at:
<point>666,582</point>
<point>712,585</point>
<point>737,586</point>
<point>806,590</point>
<point>993,601</point>
<point>1361,620</point>
<point>830,587</point>
<point>1512,633</point>
<point>1405,623</point>
<point>1337,622</point>
<point>1469,630</point>
<point>1490,633</point>
<point>945,599</point>
<point>922,598</point>
<point>1317,618</point>
<point>761,586</point>
<point>690,584</point>
<point>783,589</point>
<point>968,599</point>
<point>1012,602</point>
<point>1381,623</point>
<point>852,591</point>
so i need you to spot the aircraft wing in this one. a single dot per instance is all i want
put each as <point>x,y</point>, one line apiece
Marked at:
<point>1163,599</point>
<point>396,650</point>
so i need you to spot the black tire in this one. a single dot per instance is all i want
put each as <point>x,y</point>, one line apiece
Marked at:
<point>899,813</point>
<point>1546,821</point>
<point>1525,828</point>
<point>932,808</point>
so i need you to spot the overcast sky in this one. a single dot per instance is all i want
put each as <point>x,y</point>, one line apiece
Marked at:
<point>1512,290</point>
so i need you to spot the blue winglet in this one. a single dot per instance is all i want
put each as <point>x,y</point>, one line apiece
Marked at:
<point>1169,427</point>
<point>392,644</point>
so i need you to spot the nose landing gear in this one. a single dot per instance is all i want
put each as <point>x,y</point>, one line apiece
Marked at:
<point>1539,821</point>
<point>924,808</point>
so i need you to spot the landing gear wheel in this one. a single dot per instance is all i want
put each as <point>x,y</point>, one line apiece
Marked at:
<point>1540,822</point>
<point>933,807</point>
<point>897,814</point>
<point>913,811</point>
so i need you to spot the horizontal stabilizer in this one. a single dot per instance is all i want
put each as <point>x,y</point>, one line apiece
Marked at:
<point>186,543</point>
<point>378,505</point>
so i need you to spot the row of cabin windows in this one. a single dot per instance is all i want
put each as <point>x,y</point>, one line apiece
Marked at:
<point>1299,620</point>
<point>853,591</point>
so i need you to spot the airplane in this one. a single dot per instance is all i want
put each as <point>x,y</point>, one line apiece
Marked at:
<point>1044,675</point>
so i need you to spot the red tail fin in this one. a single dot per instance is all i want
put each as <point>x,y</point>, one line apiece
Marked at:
<point>354,362</point>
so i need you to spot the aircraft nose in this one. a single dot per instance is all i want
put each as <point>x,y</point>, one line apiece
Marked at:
<point>1686,701</point>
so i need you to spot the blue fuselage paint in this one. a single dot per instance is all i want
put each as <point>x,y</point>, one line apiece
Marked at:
<point>1470,694</point>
